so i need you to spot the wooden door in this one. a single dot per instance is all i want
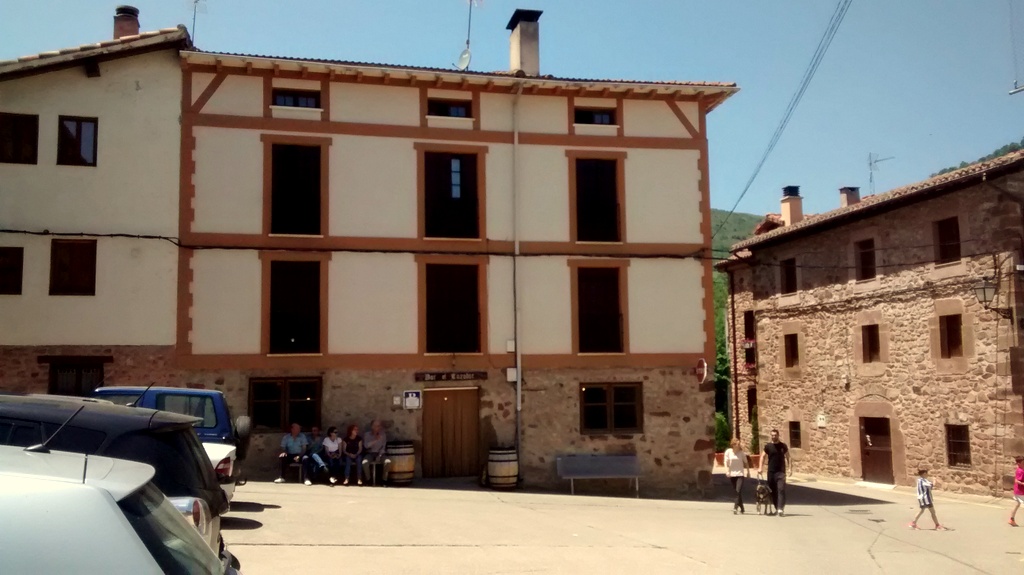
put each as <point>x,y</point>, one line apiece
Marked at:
<point>876,449</point>
<point>451,427</point>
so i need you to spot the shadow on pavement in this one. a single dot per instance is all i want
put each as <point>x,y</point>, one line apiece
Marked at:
<point>251,507</point>
<point>230,523</point>
<point>796,494</point>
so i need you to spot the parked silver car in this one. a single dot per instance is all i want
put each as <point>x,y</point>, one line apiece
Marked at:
<point>73,513</point>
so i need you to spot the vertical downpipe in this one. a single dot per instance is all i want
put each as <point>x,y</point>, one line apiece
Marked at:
<point>732,348</point>
<point>515,268</point>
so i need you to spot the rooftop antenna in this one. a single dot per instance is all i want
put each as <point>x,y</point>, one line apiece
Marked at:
<point>198,6</point>
<point>42,447</point>
<point>873,161</point>
<point>1013,47</point>
<point>466,55</point>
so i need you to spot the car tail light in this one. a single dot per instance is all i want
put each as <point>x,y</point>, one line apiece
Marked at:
<point>197,515</point>
<point>224,467</point>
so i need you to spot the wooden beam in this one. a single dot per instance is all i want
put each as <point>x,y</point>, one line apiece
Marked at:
<point>694,133</point>
<point>248,68</point>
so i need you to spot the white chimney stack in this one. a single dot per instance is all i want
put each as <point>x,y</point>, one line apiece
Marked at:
<point>524,43</point>
<point>792,205</point>
<point>848,196</point>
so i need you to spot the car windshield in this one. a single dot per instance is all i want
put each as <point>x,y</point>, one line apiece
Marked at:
<point>200,406</point>
<point>175,545</point>
<point>118,398</point>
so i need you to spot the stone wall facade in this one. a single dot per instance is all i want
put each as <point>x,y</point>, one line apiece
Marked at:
<point>911,384</point>
<point>675,447</point>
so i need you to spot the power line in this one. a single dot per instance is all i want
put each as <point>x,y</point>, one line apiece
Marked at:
<point>819,54</point>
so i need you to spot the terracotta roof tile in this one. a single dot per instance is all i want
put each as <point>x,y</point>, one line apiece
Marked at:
<point>866,203</point>
<point>170,34</point>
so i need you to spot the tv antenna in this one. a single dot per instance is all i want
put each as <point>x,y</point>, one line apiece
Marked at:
<point>873,161</point>
<point>466,55</point>
<point>1013,47</point>
<point>198,6</point>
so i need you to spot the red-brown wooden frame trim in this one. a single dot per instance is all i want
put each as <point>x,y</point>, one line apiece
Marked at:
<point>481,262</point>
<point>325,175</point>
<point>266,258</point>
<point>620,191</point>
<point>421,186</point>
<point>694,133</point>
<point>622,266</point>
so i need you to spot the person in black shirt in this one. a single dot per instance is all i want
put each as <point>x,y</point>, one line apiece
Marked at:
<point>777,455</point>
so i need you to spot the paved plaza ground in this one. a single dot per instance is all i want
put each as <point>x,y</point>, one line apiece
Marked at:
<point>457,527</point>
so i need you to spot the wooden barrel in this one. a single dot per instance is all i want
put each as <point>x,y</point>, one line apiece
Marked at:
<point>403,462</point>
<point>503,468</point>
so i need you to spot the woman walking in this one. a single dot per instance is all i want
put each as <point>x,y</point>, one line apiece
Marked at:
<point>736,467</point>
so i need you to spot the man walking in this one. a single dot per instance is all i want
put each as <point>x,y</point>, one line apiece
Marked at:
<point>777,454</point>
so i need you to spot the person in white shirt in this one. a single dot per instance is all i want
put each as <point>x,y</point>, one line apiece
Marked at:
<point>736,467</point>
<point>332,452</point>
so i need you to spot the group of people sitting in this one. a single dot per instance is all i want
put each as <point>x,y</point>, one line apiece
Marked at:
<point>335,455</point>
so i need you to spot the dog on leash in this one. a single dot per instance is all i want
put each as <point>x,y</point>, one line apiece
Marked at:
<point>763,495</point>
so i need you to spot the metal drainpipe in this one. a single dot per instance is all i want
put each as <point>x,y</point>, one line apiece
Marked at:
<point>515,267</point>
<point>732,348</point>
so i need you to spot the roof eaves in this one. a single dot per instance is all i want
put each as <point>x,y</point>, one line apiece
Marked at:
<point>126,45</point>
<point>892,198</point>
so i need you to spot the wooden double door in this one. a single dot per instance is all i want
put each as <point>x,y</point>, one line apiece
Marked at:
<point>876,449</point>
<point>451,432</point>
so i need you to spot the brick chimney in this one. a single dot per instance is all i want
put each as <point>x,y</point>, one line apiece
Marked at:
<point>126,21</point>
<point>848,196</point>
<point>524,43</point>
<point>792,205</point>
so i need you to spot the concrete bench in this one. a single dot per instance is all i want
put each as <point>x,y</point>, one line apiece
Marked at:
<point>573,467</point>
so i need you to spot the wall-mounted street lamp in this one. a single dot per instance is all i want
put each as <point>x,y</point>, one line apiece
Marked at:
<point>985,291</point>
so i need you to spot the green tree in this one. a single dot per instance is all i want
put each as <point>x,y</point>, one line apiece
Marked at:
<point>723,433</point>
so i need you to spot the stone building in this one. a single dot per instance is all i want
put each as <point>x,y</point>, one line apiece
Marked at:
<point>479,259</point>
<point>863,336</point>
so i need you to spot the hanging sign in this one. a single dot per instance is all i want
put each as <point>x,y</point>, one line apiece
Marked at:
<point>449,375</point>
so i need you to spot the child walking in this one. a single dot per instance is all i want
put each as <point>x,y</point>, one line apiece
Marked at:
<point>924,498</point>
<point>1018,489</point>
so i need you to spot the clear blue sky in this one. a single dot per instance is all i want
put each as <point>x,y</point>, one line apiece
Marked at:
<point>925,81</point>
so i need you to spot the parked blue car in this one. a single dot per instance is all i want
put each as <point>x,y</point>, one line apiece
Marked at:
<point>210,406</point>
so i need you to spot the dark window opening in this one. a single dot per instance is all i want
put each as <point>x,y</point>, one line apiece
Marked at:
<point>600,324</point>
<point>751,403</point>
<point>597,201</point>
<point>871,343</point>
<point>951,336</point>
<point>787,269</point>
<point>601,116</point>
<point>76,141</point>
<point>297,98</point>
<point>73,267</point>
<point>749,326</point>
<point>19,138</point>
<point>295,190</point>
<point>11,268</point>
<point>611,408</point>
<point>792,344</point>
<point>294,307</point>
<point>958,445</point>
<point>451,202</point>
<point>750,356</point>
<point>450,108</point>
<point>947,240</point>
<point>866,259</point>
<point>453,308</point>
<point>795,440</point>
<point>79,378</point>
<point>278,403</point>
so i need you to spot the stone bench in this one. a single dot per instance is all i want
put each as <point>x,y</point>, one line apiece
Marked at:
<point>573,467</point>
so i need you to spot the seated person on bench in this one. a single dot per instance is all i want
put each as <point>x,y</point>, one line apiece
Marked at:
<point>332,452</point>
<point>375,441</point>
<point>293,446</point>
<point>311,461</point>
